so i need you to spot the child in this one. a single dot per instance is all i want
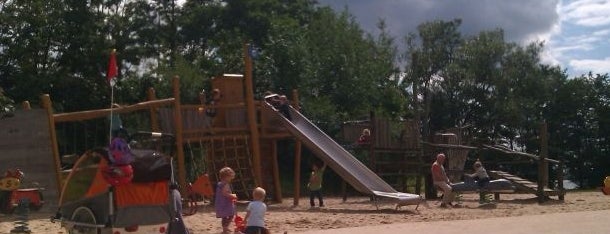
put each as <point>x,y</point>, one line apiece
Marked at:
<point>255,213</point>
<point>225,200</point>
<point>365,137</point>
<point>315,183</point>
<point>481,177</point>
<point>284,107</point>
<point>212,102</point>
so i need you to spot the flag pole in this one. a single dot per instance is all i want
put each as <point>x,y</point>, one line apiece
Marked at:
<point>110,76</point>
<point>111,114</point>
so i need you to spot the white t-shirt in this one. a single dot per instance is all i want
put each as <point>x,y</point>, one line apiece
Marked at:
<point>257,214</point>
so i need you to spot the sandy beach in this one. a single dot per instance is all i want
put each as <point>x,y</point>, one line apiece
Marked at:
<point>360,211</point>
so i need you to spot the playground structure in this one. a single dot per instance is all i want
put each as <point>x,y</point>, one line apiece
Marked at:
<point>543,187</point>
<point>230,140</point>
<point>245,132</point>
<point>403,157</point>
<point>227,141</point>
<point>394,151</point>
<point>397,153</point>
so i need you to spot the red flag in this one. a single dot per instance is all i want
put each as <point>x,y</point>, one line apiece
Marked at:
<point>113,71</point>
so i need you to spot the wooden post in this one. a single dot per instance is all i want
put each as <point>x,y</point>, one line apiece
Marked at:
<point>252,121</point>
<point>420,159</point>
<point>297,157</point>
<point>276,172</point>
<point>179,143</point>
<point>562,191</point>
<point>46,104</point>
<point>543,165</point>
<point>297,172</point>
<point>154,121</point>
<point>372,142</point>
<point>344,190</point>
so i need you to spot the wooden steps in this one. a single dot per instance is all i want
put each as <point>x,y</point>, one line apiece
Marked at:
<point>523,184</point>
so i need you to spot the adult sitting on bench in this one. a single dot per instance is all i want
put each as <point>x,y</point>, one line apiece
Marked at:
<point>441,180</point>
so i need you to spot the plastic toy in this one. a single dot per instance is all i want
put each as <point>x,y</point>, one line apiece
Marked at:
<point>11,193</point>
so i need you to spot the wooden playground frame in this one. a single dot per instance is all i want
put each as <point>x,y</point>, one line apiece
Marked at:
<point>184,135</point>
<point>253,133</point>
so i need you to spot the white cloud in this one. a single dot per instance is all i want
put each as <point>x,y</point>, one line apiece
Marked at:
<point>552,52</point>
<point>596,66</point>
<point>594,21</point>
<point>574,47</point>
<point>585,40</point>
<point>582,38</point>
<point>589,13</point>
<point>601,33</point>
<point>550,57</point>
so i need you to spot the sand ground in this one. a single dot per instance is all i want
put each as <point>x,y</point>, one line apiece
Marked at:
<point>360,211</point>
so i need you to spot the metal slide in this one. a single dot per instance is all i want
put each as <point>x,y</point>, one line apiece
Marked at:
<point>340,160</point>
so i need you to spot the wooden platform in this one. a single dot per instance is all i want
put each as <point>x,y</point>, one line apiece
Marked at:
<point>523,184</point>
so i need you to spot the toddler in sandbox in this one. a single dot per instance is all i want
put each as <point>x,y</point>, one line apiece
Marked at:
<point>225,199</point>
<point>255,213</point>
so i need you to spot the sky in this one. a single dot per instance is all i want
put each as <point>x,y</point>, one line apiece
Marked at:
<point>576,33</point>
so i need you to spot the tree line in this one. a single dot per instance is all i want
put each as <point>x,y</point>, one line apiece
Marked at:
<point>499,89</point>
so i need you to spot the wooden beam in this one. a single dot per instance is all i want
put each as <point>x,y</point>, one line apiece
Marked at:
<point>449,146</point>
<point>48,106</point>
<point>103,113</point>
<point>511,152</point>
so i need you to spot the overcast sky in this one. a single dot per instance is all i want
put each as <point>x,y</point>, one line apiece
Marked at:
<point>576,33</point>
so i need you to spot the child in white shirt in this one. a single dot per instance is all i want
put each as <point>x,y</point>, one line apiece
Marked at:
<point>255,213</point>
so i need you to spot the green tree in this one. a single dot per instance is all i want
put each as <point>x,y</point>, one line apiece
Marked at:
<point>6,104</point>
<point>427,54</point>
